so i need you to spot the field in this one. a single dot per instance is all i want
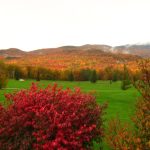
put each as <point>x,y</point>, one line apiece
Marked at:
<point>120,103</point>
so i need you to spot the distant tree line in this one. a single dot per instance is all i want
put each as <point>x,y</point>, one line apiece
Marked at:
<point>39,73</point>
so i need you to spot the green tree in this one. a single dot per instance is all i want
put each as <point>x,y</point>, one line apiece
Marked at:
<point>85,74</point>
<point>115,76</point>
<point>29,72</point>
<point>11,71</point>
<point>109,73</point>
<point>3,75</point>
<point>18,73</point>
<point>70,76</point>
<point>38,74</point>
<point>126,80</point>
<point>93,77</point>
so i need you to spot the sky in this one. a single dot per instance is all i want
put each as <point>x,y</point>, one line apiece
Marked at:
<point>34,24</point>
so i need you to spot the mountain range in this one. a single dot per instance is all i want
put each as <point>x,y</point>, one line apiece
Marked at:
<point>76,57</point>
<point>138,50</point>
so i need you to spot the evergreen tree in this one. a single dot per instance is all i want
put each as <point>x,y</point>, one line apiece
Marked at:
<point>109,72</point>
<point>38,75</point>
<point>125,81</point>
<point>70,76</point>
<point>115,76</point>
<point>29,72</point>
<point>85,74</point>
<point>11,71</point>
<point>93,77</point>
<point>18,73</point>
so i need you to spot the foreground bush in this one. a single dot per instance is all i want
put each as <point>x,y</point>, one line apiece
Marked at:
<point>51,118</point>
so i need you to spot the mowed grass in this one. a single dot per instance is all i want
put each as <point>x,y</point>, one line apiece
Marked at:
<point>120,103</point>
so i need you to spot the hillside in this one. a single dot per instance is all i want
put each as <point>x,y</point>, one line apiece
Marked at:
<point>77,57</point>
<point>12,53</point>
<point>140,50</point>
<point>69,57</point>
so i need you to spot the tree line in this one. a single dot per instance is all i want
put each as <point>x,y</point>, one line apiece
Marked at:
<point>110,73</point>
<point>41,73</point>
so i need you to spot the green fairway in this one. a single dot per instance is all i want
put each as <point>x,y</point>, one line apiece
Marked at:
<point>120,103</point>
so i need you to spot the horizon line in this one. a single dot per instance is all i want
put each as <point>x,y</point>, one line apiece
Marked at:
<point>138,43</point>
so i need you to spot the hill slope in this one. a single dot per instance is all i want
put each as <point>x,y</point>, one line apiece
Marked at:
<point>72,57</point>
<point>12,53</point>
<point>140,50</point>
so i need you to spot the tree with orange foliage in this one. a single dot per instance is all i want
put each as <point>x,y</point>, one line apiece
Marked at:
<point>119,136</point>
<point>142,117</point>
<point>3,75</point>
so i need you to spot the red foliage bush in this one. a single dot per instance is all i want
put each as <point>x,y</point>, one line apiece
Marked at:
<point>50,118</point>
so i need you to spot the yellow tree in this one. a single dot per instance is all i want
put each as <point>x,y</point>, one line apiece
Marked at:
<point>3,75</point>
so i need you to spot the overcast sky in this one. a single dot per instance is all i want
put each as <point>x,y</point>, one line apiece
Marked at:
<point>32,24</point>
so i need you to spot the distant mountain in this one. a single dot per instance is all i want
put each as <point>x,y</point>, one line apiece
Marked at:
<point>105,48</point>
<point>69,48</point>
<point>140,50</point>
<point>12,53</point>
<point>43,51</point>
<point>66,57</point>
<point>87,47</point>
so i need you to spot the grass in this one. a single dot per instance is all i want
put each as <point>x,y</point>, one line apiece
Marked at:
<point>120,103</point>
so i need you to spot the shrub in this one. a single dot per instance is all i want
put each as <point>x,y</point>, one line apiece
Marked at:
<point>50,118</point>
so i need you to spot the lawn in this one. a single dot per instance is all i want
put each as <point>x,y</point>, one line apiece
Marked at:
<point>120,103</point>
